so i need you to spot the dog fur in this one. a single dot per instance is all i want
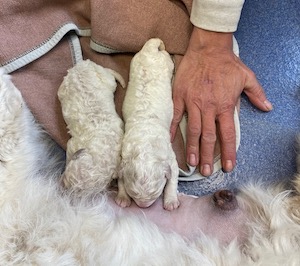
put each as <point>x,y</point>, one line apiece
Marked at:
<point>94,149</point>
<point>148,165</point>
<point>42,225</point>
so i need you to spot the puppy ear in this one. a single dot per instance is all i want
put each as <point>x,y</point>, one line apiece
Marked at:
<point>125,170</point>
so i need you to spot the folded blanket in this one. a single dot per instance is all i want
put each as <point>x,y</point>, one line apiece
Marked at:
<point>41,39</point>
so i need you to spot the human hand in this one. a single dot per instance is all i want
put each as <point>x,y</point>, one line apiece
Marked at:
<point>207,85</point>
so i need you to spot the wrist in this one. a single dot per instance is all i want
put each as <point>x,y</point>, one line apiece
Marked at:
<point>204,39</point>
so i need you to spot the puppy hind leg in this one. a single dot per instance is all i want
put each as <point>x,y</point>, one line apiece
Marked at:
<point>170,200</point>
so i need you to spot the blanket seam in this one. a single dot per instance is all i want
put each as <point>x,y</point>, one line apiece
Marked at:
<point>42,48</point>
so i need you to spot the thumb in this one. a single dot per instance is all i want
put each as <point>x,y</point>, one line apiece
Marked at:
<point>256,94</point>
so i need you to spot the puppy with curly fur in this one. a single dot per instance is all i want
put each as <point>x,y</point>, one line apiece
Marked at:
<point>40,224</point>
<point>148,165</point>
<point>94,149</point>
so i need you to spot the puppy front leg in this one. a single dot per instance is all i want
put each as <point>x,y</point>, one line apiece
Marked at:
<point>171,201</point>
<point>122,198</point>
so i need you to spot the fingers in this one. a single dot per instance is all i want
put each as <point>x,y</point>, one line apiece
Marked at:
<point>208,142</point>
<point>193,135</point>
<point>208,138</point>
<point>177,116</point>
<point>227,135</point>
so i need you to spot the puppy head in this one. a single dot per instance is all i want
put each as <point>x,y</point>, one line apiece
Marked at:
<point>145,181</point>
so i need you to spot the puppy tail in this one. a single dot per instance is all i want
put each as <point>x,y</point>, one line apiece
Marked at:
<point>118,78</point>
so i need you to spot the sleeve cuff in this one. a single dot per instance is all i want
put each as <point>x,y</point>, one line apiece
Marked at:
<point>216,15</point>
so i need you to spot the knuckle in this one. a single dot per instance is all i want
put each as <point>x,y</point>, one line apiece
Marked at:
<point>209,137</point>
<point>177,112</point>
<point>251,74</point>
<point>228,137</point>
<point>228,107</point>
<point>194,130</point>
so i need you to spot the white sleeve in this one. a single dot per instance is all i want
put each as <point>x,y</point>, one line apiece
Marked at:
<point>216,15</point>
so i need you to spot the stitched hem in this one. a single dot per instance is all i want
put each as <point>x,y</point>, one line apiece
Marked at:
<point>100,48</point>
<point>44,47</point>
<point>75,47</point>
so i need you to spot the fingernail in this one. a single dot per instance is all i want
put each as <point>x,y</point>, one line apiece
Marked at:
<point>268,105</point>
<point>192,160</point>
<point>228,166</point>
<point>205,170</point>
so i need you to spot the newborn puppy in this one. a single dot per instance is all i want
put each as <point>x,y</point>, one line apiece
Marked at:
<point>94,149</point>
<point>40,225</point>
<point>148,163</point>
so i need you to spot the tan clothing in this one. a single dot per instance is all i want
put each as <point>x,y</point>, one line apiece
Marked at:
<point>217,15</point>
<point>41,39</point>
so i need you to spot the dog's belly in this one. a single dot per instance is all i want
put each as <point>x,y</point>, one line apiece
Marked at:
<point>196,215</point>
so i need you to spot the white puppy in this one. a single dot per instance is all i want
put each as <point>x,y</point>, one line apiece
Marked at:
<point>40,226</point>
<point>93,151</point>
<point>148,164</point>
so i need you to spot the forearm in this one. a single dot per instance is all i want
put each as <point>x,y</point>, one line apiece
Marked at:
<point>216,15</point>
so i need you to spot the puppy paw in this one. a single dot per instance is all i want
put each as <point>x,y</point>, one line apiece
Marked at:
<point>123,200</point>
<point>171,204</point>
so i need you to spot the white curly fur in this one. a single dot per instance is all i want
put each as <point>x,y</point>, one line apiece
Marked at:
<point>39,225</point>
<point>148,163</point>
<point>93,151</point>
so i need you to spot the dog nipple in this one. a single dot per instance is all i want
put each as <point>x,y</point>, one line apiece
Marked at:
<point>225,200</point>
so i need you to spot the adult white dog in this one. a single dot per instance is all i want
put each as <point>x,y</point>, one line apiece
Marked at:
<point>40,225</point>
<point>148,165</point>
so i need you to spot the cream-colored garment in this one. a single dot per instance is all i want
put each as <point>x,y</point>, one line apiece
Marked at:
<point>216,15</point>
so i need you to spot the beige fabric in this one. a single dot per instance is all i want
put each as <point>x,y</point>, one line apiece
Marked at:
<point>217,15</point>
<point>125,26</point>
<point>39,44</point>
<point>39,82</point>
<point>36,45</point>
<point>25,25</point>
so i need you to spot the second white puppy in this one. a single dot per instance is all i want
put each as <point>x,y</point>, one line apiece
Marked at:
<point>94,149</point>
<point>148,165</point>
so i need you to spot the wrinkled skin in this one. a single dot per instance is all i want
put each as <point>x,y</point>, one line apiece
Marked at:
<point>207,85</point>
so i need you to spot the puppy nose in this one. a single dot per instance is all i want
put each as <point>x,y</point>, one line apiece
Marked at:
<point>144,204</point>
<point>225,200</point>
